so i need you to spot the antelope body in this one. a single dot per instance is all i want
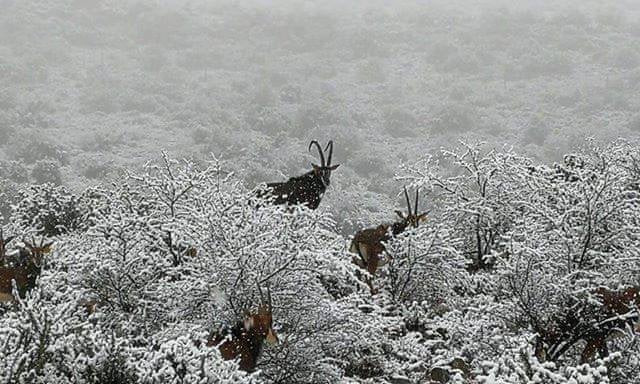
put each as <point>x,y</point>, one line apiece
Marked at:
<point>24,275</point>
<point>368,244</point>
<point>306,189</point>
<point>594,323</point>
<point>244,340</point>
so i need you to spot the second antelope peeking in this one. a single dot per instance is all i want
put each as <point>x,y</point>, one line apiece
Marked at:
<point>24,275</point>
<point>244,340</point>
<point>306,189</point>
<point>368,244</point>
<point>606,314</point>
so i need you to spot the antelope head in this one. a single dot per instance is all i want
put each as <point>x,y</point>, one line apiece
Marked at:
<point>412,219</point>
<point>262,322</point>
<point>323,171</point>
<point>35,253</point>
<point>26,274</point>
<point>244,340</point>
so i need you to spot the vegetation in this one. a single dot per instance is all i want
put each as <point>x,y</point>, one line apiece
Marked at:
<point>519,269</point>
<point>166,257</point>
<point>97,89</point>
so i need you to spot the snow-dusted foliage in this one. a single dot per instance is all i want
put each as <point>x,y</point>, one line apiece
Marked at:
<point>538,240</point>
<point>50,210</point>
<point>148,269</point>
<point>180,250</point>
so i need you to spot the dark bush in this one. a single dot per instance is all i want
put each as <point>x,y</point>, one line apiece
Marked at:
<point>32,148</point>
<point>103,141</point>
<point>46,171</point>
<point>14,171</point>
<point>50,209</point>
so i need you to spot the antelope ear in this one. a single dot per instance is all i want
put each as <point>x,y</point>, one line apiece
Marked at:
<point>248,323</point>
<point>271,338</point>
<point>334,167</point>
<point>422,218</point>
<point>400,214</point>
<point>48,247</point>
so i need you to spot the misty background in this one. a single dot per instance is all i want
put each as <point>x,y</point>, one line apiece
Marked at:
<point>90,88</point>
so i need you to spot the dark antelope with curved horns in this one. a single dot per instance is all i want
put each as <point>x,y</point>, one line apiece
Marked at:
<point>368,244</point>
<point>24,275</point>
<point>244,340</point>
<point>591,322</point>
<point>309,188</point>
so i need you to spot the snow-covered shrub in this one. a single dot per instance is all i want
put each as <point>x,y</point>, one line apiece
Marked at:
<point>147,270</point>
<point>472,193</point>
<point>9,193</point>
<point>519,365</point>
<point>425,265</point>
<point>181,361</point>
<point>48,209</point>
<point>45,338</point>
<point>14,171</point>
<point>540,240</point>
<point>180,247</point>
<point>46,171</point>
<point>577,231</point>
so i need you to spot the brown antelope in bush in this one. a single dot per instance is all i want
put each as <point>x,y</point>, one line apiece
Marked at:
<point>244,340</point>
<point>368,244</point>
<point>306,189</point>
<point>592,322</point>
<point>24,275</point>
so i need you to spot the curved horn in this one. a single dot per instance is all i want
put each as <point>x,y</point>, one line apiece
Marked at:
<point>415,207</point>
<point>330,148</point>
<point>269,298</point>
<point>260,292</point>
<point>322,162</point>
<point>406,195</point>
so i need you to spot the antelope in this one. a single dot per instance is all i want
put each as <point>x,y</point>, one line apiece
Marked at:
<point>244,340</point>
<point>368,244</point>
<point>592,322</point>
<point>25,275</point>
<point>308,188</point>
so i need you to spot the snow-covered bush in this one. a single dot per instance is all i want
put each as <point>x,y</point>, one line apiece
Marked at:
<point>45,338</point>
<point>472,191</point>
<point>145,271</point>
<point>50,210</point>
<point>179,249</point>
<point>540,239</point>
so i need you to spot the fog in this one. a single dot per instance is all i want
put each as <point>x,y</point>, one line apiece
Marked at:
<point>90,88</point>
<point>161,220</point>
